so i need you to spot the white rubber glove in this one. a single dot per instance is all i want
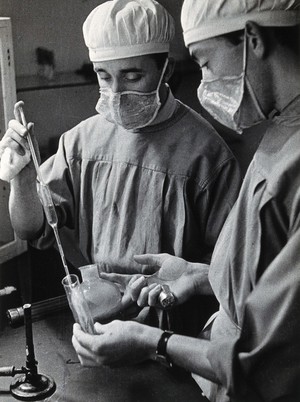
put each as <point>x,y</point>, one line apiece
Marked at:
<point>12,163</point>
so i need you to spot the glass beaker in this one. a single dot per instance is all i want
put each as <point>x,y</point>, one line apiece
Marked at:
<point>103,297</point>
<point>78,304</point>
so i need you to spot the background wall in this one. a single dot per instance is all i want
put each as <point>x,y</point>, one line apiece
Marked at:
<point>57,25</point>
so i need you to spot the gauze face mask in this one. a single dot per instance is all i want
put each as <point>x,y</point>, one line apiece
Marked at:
<point>130,109</point>
<point>231,99</point>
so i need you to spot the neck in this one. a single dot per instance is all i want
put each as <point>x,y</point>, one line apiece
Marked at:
<point>275,78</point>
<point>287,76</point>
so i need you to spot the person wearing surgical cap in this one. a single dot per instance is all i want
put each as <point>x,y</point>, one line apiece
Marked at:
<point>146,174</point>
<point>249,351</point>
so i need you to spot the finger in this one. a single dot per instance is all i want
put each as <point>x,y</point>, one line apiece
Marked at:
<point>126,300</point>
<point>76,326</point>
<point>9,142</point>
<point>154,260</point>
<point>135,288</point>
<point>16,134</point>
<point>134,278</point>
<point>18,127</point>
<point>80,350</point>
<point>119,278</point>
<point>142,300</point>
<point>86,362</point>
<point>100,329</point>
<point>84,356</point>
<point>83,338</point>
<point>129,292</point>
<point>153,295</point>
<point>144,269</point>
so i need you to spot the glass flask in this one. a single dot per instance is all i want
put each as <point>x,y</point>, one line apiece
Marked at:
<point>103,297</point>
<point>78,304</point>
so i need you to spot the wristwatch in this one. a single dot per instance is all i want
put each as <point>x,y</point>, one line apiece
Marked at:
<point>161,350</point>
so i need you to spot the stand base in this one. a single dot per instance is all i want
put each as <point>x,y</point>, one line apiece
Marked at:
<point>33,389</point>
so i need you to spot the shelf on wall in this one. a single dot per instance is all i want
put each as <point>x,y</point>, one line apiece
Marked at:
<point>60,80</point>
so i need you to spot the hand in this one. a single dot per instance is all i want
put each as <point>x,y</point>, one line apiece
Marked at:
<point>184,279</point>
<point>14,155</point>
<point>118,343</point>
<point>126,283</point>
<point>14,148</point>
<point>18,168</point>
<point>131,287</point>
<point>123,281</point>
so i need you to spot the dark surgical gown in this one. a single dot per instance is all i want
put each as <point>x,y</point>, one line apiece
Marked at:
<point>255,274</point>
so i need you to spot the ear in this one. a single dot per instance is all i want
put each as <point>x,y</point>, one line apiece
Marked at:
<point>257,41</point>
<point>169,70</point>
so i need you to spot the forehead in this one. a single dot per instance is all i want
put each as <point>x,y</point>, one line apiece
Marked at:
<point>210,48</point>
<point>143,63</point>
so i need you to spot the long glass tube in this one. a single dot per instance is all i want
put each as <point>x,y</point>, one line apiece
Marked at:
<point>44,193</point>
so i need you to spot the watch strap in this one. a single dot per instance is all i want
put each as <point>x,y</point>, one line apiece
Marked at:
<point>161,350</point>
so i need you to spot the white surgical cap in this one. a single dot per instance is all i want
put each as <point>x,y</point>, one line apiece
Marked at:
<point>204,19</point>
<point>126,28</point>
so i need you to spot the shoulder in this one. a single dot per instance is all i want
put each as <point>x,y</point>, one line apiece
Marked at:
<point>199,138</point>
<point>195,129</point>
<point>278,158</point>
<point>86,128</point>
<point>87,136</point>
<point>188,146</point>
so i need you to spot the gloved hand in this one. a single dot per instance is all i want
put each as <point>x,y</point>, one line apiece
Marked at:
<point>14,148</point>
<point>13,155</point>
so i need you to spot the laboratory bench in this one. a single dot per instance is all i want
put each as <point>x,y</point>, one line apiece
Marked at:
<point>146,382</point>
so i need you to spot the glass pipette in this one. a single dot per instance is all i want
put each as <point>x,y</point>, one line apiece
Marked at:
<point>44,191</point>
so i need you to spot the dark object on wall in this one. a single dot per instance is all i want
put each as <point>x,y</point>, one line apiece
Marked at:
<point>46,62</point>
<point>87,71</point>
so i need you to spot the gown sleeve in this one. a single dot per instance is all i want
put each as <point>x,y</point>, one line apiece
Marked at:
<point>262,363</point>
<point>214,203</point>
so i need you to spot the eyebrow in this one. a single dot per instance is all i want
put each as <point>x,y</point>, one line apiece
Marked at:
<point>125,70</point>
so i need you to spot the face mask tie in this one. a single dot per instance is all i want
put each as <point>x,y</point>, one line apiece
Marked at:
<point>130,109</point>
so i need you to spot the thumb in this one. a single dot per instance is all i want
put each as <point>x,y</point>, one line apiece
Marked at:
<point>111,276</point>
<point>99,328</point>
<point>119,280</point>
<point>153,261</point>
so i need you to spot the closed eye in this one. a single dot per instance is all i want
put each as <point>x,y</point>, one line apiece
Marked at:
<point>132,76</point>
<point>102,75</point>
